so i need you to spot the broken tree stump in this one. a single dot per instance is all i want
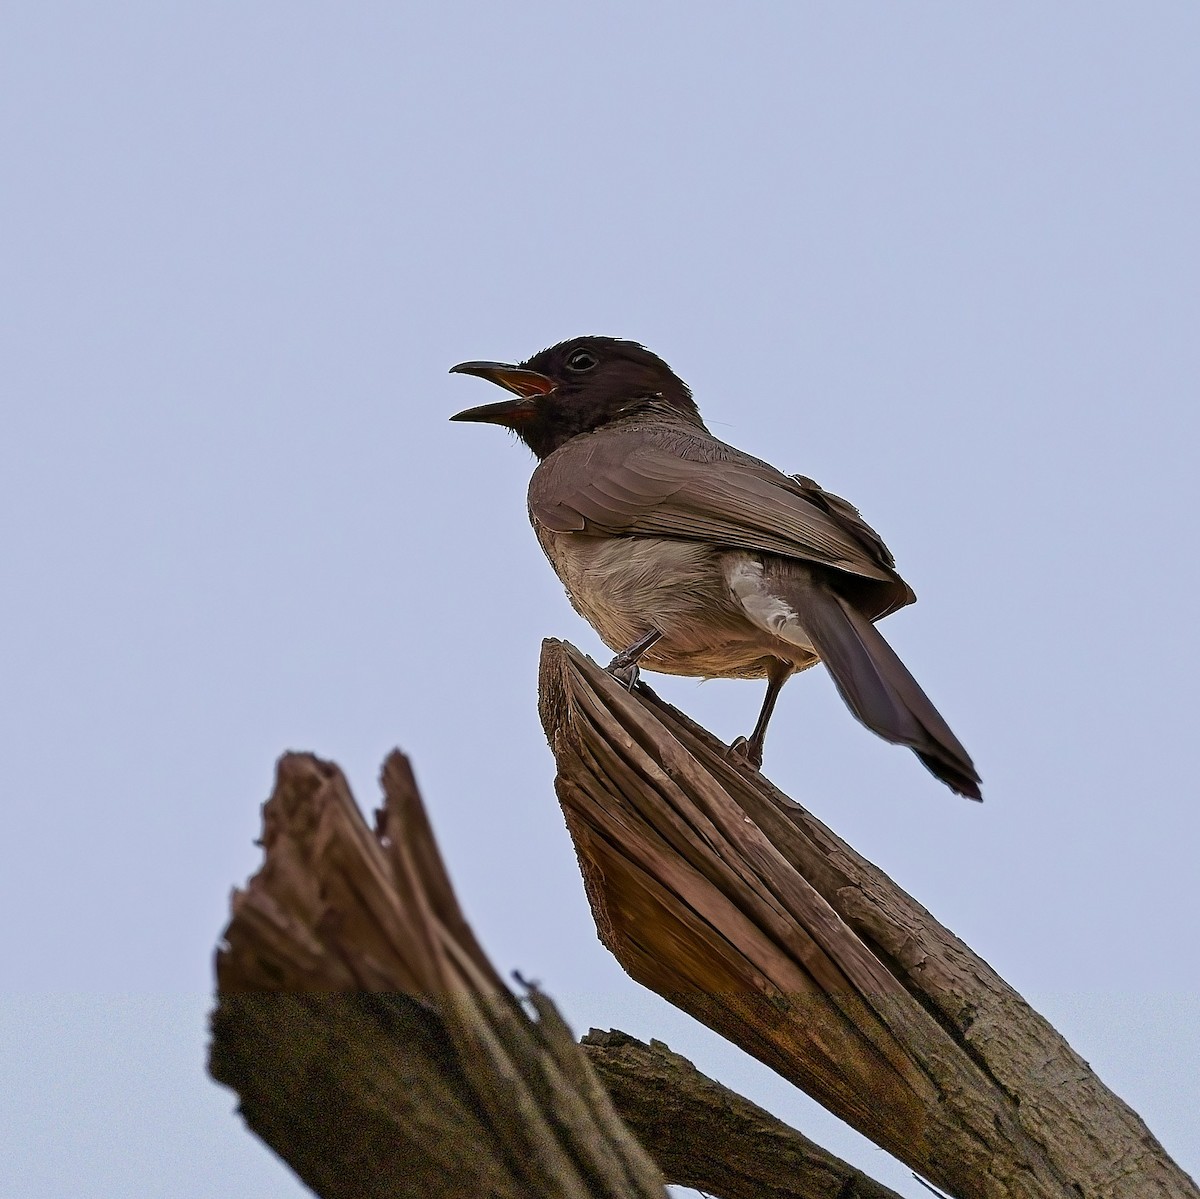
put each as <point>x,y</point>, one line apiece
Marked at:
<point>375,1049</point>
<point>372,1045</point>
<point>726,897</point>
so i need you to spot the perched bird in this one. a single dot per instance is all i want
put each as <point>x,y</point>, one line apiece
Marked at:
<point>690,557</point>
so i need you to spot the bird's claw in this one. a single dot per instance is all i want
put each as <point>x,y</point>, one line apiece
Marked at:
<point>745,750</point>
<point>626,673</point>
<point>624,667</point>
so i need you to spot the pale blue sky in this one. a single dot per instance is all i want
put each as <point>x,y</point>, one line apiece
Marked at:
<point>942,258</point>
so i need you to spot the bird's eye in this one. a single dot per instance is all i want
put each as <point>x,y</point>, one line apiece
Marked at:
<point>582,360</point>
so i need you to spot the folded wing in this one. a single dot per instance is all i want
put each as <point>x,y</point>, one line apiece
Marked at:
<point>673,483</point>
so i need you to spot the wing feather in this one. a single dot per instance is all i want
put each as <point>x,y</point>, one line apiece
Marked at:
<point>656,481</point>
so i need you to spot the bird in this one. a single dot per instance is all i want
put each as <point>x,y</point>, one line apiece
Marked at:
<point>690,557</point>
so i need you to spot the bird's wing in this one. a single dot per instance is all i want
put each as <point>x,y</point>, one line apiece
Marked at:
<point>678,483</point>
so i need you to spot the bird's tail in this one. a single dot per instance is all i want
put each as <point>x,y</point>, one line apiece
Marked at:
<point>879,690</point>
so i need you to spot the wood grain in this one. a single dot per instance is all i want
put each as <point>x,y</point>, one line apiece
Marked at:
<point>717,891</point>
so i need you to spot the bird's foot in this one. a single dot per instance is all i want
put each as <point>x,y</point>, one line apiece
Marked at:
<point>744,749</point>
<point>626,673</point>
<point>624,667</point>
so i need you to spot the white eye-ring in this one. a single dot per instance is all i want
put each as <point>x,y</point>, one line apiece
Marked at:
<point>581,360</point>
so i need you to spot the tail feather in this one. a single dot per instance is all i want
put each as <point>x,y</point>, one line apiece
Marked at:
<point>879,690</point>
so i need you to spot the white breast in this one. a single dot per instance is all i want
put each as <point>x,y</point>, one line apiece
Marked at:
<point>625,586</point>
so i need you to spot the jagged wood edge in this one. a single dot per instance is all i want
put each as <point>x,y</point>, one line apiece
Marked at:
<point>611,745</point>
<point>368,1038</point>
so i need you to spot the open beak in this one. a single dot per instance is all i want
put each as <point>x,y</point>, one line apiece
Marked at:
<point>527,386</point>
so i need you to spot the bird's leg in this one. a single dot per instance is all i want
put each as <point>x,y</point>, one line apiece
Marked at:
<point>751,748</point>
<point>624,666</point>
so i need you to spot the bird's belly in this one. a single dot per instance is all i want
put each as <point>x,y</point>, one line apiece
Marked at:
<point>625,586</point>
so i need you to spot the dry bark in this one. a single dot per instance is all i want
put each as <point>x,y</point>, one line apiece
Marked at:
<point>374,1048</point>
<point>706,1136</point>
<point>717,891</point>
<point>371,1042</point>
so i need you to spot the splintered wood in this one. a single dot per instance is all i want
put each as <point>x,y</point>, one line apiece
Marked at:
<point>727,898</point>
<point>372,1044</point>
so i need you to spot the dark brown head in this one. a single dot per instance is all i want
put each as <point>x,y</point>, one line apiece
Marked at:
<point>578,386</point>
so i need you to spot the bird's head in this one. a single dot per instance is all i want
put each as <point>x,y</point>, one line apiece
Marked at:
<point>578,386</point>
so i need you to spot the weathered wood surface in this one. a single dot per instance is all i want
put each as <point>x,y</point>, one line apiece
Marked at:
<point>717,891</point>
<point>705,1136</point>
<point>376,1050</point>
<point>371,1043</point>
